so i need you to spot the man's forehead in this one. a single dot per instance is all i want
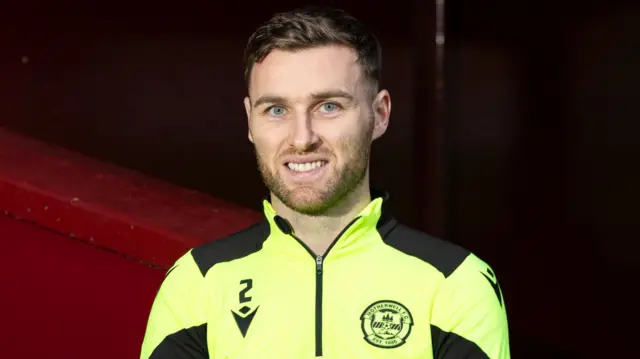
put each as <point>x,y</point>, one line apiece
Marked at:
<point>294,73</point>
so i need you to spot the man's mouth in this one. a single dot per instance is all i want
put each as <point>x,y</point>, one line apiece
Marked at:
<point>305,166</point>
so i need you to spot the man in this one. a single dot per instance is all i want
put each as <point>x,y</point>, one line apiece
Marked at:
<point>328,273</point>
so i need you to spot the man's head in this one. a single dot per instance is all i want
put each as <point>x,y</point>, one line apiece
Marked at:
<point>314,107</point>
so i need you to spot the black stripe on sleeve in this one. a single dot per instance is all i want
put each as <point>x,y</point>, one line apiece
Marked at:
<point>188,343</point>
<point>452,346</point>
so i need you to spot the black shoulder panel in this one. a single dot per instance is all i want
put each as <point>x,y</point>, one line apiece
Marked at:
<point>444,256</point>
<point>235,246</point>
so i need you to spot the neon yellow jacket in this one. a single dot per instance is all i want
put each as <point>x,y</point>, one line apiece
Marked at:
<point>382,290</point>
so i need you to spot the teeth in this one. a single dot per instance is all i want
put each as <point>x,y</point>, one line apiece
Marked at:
<point>303,167</point>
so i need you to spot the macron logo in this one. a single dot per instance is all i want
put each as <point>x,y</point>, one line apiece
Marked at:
<point>244,322</point>
<point>494,284</point>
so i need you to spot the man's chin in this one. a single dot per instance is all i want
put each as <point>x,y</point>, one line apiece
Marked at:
<point>307,201</point>
<point>309,208</point>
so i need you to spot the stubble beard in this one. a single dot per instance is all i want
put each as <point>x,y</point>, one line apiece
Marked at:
<point>342,181</point>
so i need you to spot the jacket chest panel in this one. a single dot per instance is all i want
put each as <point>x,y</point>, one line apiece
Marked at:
<point>378,310</point>
<point>366,311</point>
<point>262,307</point>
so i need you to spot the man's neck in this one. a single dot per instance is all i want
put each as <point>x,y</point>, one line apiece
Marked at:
<point>318,232</point>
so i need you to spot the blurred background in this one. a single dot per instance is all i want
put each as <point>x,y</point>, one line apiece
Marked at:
<point>517,137</point>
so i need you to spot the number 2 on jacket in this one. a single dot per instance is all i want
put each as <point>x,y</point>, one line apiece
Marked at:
<point>248,284</point>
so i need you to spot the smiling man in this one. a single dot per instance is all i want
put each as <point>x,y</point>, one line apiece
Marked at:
<point>329,272</point>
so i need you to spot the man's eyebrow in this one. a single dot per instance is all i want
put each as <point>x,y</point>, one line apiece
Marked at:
<point>322,95</point>
<point>269,99</point>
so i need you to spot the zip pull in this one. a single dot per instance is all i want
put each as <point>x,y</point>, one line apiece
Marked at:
<point>319,264</point>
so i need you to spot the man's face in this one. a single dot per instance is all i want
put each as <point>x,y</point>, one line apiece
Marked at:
<point>312,118</point>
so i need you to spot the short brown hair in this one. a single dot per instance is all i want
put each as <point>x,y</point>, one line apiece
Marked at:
<point>313,26</point>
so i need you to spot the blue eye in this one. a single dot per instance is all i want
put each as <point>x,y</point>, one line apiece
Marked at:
<point>329,107</point>
<point>276,111</point>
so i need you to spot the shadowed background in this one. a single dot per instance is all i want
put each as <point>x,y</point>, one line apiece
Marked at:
<point>530,161</point>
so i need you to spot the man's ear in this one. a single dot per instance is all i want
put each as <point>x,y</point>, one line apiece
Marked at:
<point>247,109</point>
<point>381,113</point>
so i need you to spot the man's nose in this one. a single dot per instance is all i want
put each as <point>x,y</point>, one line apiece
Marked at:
<point>303,136</point>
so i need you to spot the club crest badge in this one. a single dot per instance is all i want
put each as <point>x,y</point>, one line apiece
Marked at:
<point>386,324</point>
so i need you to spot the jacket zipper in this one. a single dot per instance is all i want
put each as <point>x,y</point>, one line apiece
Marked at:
<point>319,273</point>
<point>319,261</point>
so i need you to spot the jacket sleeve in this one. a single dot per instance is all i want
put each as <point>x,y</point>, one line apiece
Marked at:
<point>177,325</point>
<point>469,319</point>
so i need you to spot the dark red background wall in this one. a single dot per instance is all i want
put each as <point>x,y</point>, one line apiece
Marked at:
<point>539,131</point>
